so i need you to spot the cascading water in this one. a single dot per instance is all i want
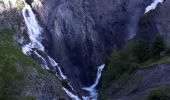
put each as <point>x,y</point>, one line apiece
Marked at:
<point>54,64</point>
<point>34,32</point>
<point>153,5</point>
<point>92,89</point>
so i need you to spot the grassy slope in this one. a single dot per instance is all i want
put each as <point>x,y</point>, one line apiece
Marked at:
<point>13,68</point>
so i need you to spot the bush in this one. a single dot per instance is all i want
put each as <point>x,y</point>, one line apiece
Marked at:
<point>140,51</point>
<point>157,47</point>
<point>134,54</point>
<point>124,61</point>
<point>159,94</point>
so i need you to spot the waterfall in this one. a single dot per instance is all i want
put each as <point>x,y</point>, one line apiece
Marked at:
<point>54,64</point>
<point>74,97</point>
<point>34,32</point>
<point>153,5</point>
<point>92,89</point>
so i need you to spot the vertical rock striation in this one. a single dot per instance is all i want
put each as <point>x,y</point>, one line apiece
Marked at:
<point>84,32</point>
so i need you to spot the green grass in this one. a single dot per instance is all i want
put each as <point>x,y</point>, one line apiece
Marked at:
<point>14,68</point>
<point>153,63</point>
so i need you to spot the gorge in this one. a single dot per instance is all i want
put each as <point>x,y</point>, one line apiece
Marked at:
<point>73,39</point>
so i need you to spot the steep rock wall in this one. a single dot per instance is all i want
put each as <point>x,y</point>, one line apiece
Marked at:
<point>84,32</point>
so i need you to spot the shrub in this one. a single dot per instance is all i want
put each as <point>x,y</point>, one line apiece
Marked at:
<point>124,61</point>
<point>130,57</point>
<point>157,47</point>
<point>140,51</point>
<point>159,94</point>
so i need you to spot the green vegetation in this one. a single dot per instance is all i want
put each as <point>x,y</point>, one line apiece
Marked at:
<point>134,55</point>
<point>159,94</point>
<point>13,67</point>
<point>157,46</point>
<point>29,98</point>
<point>11,80</point>
<point>20,5</point>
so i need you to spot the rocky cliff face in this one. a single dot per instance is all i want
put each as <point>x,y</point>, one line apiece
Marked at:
<point>34,82</point>
<point>80,34</point>
<point>22,78</point>
<point>155,22</point>
<point>84,32</point>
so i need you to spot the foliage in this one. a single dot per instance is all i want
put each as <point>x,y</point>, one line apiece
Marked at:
<point>29,98</point>
<point>11,80</point>
<point>134,54</point>
<point>124,61</point>
<point>157,47</point>
<point>159,94</point>
<point>13,67</point>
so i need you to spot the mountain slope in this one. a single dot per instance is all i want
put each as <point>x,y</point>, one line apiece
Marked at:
<point>22,78</point>
<point>143,84</point>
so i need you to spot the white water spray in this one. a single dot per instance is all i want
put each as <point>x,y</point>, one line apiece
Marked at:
<point>53,63</point>
<point>74,97</point>
<point>92,89</point>
<point>45,63</point>
<point>34,32</point>
<point>153,5</point>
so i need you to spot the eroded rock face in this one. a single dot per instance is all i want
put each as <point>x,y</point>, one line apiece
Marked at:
<point>80,34</point>
<point>10,15</point>
<point>163,21</point>
<point>84,32</point>
<point>11,18</point>
<point>155,22</point>
<point>43,86</point>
